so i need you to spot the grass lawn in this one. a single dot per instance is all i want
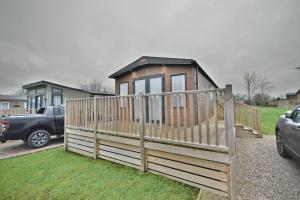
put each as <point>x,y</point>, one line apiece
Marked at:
<point>55,174</point>
<point>269,117</point>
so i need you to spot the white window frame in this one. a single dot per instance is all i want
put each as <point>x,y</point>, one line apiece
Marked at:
<point>176,90</point>
<point>126,92</point>
<point>4,102</point>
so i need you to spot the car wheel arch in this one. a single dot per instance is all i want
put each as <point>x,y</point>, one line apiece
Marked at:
<point>37,127</point>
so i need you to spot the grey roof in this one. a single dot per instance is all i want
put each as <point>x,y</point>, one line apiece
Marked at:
<point>150,60</point>
<point>292,93</point>
<point>44,83</point>
<point>104,93</point>
<point>12,97</point>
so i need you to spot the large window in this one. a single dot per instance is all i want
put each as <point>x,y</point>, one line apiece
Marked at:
<point>178,85</point>
<point>123,89</point>
<point>57,96</point>
<point>4,105</point>
<point>123,92</point>
<point>139,87</point>
<point>36,98</point>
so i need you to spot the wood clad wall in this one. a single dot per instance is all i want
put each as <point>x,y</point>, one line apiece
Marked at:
<point>199,168</point>
<point>167,72</point>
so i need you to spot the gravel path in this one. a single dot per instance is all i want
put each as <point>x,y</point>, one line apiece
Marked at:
<point>14,148</point>
<point>263,174</point>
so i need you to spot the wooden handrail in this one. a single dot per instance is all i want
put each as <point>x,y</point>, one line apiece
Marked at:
<point>248,116</point>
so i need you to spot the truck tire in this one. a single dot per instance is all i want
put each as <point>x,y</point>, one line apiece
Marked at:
<point>38,138</point>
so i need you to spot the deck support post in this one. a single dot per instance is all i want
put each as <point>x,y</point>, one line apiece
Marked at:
<point>96,141</point>
<point>65,127</point>
<point>230,130</point>
<point>141,109</point>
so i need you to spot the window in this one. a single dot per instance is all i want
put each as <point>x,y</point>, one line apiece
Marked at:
<point>123,92</point>
<point>41,90</point>
<point>155,86</point>
<point>56,90</point>
<point>178,85</point>
<point>296,116</point>
<point>57,96</point>
<point>57,99</point>
<point>59,111</point>
<point>4,105</point>
<point>139,87</point>
<point>123,89</point>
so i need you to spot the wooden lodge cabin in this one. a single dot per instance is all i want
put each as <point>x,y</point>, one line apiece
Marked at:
<point>195,146</point>
<point>160,74</point>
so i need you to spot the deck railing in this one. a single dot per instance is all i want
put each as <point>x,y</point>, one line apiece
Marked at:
<point>186,136</point>
<point>17,111</point>
<point>190,117</point>
<point>248,116</point>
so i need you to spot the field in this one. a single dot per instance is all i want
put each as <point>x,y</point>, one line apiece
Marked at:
<point>269,117</point>
<point>55,174</point>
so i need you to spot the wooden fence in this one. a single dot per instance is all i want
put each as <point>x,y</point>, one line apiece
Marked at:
<point>17,111</point>
<point>179,135</point>
<point>248,117</point>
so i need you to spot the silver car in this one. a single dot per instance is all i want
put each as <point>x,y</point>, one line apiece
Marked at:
<point>288,134</point>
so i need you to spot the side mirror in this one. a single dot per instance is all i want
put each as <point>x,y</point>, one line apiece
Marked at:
<point>288,114</point>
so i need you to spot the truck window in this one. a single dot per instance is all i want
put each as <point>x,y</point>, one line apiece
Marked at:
<point>56,111</point>
<point>62,110</point>
<point>41,110</point>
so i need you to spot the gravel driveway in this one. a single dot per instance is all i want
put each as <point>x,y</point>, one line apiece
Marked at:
<point>263,174</point>
<point>17,147</point>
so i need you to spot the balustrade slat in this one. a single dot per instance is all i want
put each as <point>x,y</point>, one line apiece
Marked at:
<point>178,116</point>
<point>207,117</point>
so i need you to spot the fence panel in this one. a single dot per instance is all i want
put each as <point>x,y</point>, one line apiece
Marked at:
<point>248,116</point>
<point>17,112</point>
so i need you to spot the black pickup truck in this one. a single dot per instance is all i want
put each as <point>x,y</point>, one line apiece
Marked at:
<point>35,129</point>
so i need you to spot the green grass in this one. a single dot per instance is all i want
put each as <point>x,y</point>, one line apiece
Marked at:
<point>269,117</point>
<point>55,174</point>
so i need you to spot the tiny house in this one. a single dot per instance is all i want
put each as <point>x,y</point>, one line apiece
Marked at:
<point>45,93</point>
<point>160,74</point>
<point>165,120</point>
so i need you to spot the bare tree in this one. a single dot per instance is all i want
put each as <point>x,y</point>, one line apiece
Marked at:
<point>251,84</point>
<point>20,93</point>
<point>95,85</point>
<point>264,86</point>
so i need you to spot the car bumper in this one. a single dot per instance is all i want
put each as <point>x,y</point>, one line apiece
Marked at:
<point>2,138</point>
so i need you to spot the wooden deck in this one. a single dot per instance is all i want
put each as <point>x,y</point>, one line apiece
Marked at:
<point>191,144</point>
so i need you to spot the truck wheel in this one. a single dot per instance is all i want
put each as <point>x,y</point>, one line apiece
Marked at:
<point>38,138</point>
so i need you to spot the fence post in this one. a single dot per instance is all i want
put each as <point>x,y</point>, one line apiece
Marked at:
<point>96,141</point>
<point>230,130</point>
<point>142,132</point>
<point>65,127</point>
<point>259,124</point>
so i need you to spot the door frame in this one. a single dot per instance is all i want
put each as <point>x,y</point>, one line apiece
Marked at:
<point>147,90</point>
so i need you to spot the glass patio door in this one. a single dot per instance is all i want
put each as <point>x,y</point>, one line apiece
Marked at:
<point>155,86</point>
<point>139,86</point>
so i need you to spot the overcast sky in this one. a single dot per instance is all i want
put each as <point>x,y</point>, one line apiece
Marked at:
<point>69,41</point>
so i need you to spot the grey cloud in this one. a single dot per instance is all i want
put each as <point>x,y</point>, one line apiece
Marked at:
<point>68,41</point>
